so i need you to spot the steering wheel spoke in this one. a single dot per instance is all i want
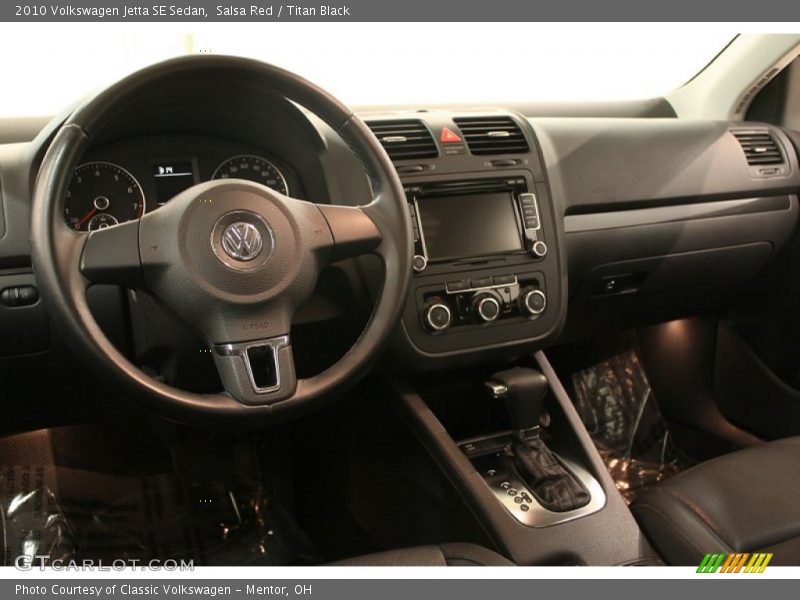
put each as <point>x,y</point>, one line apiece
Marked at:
<point>258,371</point>
<point>354,232</point>
<point>111,255</point>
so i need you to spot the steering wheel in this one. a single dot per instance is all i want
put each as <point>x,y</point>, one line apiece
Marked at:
<point>233,259</point>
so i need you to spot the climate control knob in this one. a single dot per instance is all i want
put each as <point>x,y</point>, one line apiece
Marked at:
<point>486,308</point>
<point>532,301</point>
<point>436,315</point>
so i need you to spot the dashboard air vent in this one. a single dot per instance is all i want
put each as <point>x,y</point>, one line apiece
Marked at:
<point>492,135</point>
<point>405,139</point>
<point>760,148</point>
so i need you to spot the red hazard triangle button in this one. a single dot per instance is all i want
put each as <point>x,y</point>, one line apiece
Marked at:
<point>448,136</point>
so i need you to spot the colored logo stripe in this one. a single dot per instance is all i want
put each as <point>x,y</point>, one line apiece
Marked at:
<point>758,563</point>
<point>734,563</point>
<point>710,563</point>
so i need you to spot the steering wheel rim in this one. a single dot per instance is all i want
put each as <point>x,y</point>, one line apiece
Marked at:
<point>66,262</point>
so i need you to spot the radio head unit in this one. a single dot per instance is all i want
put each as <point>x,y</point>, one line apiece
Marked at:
<point>483,274</point>
<point>466,225</point>
<point>455,221</point>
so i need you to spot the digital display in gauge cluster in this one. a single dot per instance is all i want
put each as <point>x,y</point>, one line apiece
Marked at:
<point>103,194</point>
<point>171,178</point>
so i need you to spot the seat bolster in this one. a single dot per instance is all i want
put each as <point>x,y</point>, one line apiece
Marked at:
<point>680,536</point>
<point>744,501</point>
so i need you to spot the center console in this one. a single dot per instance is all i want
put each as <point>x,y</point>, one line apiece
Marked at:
<point>488,288</point>
<point>514,447</point>
<point>487,265</point>
<point>456,222</point>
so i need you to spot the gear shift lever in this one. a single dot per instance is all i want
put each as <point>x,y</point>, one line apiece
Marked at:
<point>523,392</point>
<point>555,487</point>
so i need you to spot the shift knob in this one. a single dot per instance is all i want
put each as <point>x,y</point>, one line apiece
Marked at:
<point>523,391</point>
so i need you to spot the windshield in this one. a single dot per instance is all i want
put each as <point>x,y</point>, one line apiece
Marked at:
<point>368,63</point>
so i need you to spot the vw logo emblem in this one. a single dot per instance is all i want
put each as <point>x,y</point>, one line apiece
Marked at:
<point>242,241</point>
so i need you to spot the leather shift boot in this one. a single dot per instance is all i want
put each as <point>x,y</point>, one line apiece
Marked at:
<point>555,487</point>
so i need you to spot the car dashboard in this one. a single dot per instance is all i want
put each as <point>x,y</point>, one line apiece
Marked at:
<point>528,230</point>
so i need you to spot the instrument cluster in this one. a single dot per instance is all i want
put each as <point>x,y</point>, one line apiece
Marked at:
<point>122,182</point>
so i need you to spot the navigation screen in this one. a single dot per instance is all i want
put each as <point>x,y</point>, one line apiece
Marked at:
<point>469,226</point>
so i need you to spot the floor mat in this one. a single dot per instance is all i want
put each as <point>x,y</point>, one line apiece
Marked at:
<point>72,514</point>
<point>617,406</point>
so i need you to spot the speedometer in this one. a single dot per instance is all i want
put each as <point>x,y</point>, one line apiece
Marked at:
<point>253,168</point>
<point>102,194</point>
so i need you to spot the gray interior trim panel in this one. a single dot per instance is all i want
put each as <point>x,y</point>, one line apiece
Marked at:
<point>668,214</point>
<point>597,165</point>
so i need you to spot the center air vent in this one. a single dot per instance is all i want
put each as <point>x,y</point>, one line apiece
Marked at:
<point>405,139</point>
<point>760,148</point>
<point>492,135</point>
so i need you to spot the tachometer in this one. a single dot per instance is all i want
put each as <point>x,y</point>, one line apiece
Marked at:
<point>253,168</point>
<point>102,194</point>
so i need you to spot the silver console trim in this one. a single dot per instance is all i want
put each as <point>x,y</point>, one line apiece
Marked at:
<point>418,219</point>
<point>497,389</point>
<point>537,515</point>
<point>240,350</point>
<point>494,472</point>
<point>495,286</point>
<point>532,196</point>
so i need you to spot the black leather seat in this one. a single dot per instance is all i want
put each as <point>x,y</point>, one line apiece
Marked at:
<point>444,555</point>
<point>746,501</point>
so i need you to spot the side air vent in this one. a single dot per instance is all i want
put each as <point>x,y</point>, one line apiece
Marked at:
<point>492,135</point>
<point>760,148</point>
<point>405,139</point>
